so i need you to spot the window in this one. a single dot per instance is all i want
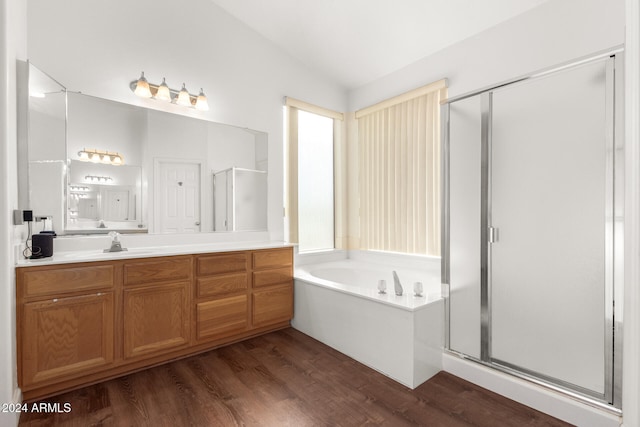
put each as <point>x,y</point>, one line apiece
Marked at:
<point>315,182</point>
<point>310,207</point>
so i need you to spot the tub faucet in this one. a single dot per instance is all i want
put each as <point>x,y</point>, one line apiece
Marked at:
<point>396,283</point>
<point>116,246</point>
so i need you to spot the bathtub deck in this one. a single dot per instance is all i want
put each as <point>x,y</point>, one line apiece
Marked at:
<point>283,378</point>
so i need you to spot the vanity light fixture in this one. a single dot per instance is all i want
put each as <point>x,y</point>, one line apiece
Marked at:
<point>100,156</point>
<point>184,98</point>
<point>98,179</point>
<point>201,102</point>
<point>78,188</point>
<point>162,92</point>
<point>142,88</point>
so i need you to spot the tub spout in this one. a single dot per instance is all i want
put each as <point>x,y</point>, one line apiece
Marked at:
<point>396,283</point>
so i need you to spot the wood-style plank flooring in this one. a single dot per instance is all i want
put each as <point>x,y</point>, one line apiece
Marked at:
<point>283,378</point>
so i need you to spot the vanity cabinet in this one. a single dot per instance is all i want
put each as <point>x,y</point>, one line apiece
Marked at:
<point>86,322</point>
<point>66,321</point>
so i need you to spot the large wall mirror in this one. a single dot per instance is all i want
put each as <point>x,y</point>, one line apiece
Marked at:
<point>95,166</point>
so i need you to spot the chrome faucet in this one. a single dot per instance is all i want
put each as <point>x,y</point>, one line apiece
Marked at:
<point>116,246</point>
<point>396,283</point>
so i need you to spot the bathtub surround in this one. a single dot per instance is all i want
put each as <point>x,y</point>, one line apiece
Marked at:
<point>338,303</point>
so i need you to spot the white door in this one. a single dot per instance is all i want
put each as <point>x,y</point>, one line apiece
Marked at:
<point>178,204</point>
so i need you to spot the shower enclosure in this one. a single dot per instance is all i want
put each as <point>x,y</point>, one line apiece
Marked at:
<point>532,228</point>
<point>240,200</point>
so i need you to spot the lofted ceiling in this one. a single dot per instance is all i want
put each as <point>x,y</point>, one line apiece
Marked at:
<point>354,42</point>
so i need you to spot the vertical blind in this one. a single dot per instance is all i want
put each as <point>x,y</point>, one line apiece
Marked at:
<point>399,168</point>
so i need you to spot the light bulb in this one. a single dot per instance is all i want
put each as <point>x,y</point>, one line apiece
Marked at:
<point>184,98</point>
<point>163,93</point>
<point>106,159</point>
<point>201,102</point>
<point>142,87</point>
<point>117,160</point>
<point>95,158</point>
<point>84,156</point>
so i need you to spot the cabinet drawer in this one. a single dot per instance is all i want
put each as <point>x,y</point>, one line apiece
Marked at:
<point>221,317</point>
<point>272,258</point>
<point>272,277</point>
<point>220,285</point>
<point>272,305</point>
<point>174,268</point>
<point>223,263</point>
<point>68,279</point>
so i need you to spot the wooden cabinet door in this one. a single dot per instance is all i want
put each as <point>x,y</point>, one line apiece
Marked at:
<point>66,337</point>
<point>272,305</point>
<point>156,319</point>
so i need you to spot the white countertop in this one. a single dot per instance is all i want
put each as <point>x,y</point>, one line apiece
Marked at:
<point>66,257</point>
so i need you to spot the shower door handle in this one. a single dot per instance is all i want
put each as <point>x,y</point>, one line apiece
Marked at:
<point>493,235</point>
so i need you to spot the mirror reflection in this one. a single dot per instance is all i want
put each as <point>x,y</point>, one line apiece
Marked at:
<point>41,149</point>
<point>104,196</point>
<point>120,167</point>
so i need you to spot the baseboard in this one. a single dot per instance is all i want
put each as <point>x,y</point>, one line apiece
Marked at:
<point>534,396</point>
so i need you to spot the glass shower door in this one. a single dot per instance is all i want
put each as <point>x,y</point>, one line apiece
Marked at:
<point>550,203</point>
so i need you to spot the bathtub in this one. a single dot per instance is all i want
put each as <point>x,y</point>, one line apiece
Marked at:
<point>336,301</point>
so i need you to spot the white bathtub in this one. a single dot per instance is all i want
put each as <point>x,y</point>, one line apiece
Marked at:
<point>337,302</point>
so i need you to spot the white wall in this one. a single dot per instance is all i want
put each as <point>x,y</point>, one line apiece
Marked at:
<point>553,33</point>
<point>100,47</point>
<point>12,46</point>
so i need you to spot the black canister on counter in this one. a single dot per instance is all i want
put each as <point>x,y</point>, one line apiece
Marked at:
<point>41,245</point>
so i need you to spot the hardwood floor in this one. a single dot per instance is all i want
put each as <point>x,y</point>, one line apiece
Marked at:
<point>283,378</point>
